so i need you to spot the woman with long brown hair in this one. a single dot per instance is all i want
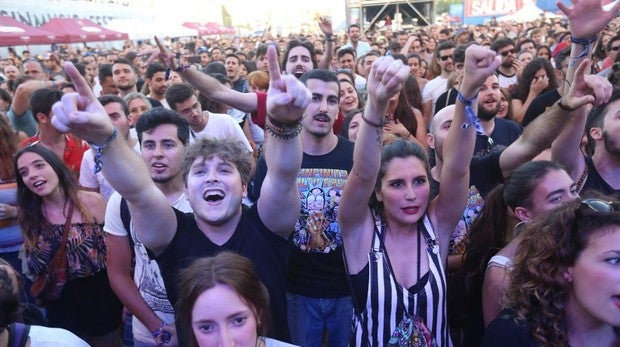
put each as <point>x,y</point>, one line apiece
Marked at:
<point>59,219</point>
<point>402,119</point>
<point>10,235</point>
<point>537,78</point>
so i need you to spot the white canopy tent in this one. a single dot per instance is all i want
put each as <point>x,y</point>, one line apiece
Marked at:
<point>529,12</point>
<point>139,30</point>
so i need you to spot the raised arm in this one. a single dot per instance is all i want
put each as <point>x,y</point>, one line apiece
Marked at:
<point>21,101</point>
<point>586,19</point>
<point>81,114</point>
<point>447,207</point>
<point>207,85</point>
<point>407,45</point>
<point>586,89</point>
<point>539,135</point>
<point>325,24</point>
<point>385,80</point>
<point>287,99</point>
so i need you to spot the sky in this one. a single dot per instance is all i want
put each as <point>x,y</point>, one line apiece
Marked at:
<point>283,15</point>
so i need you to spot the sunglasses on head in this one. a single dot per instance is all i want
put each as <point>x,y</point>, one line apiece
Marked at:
<point>445,57</point>
<point>598,205</point>
<point>505,53</point>
<point>33,143</point>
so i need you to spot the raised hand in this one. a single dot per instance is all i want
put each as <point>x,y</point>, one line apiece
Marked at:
<point>587,18</point>
<point>480,63</point>
<point>538,85</point>
<point>325,24</point>
<point>81,113</point>
<point>587,89</point>
<point>161,53</point>
<point>385,79</point>
<point>287,97</point>
<point>518,67</point>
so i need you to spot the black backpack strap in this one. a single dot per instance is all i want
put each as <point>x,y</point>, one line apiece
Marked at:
<point>126,218</point>
<point>18,334</point>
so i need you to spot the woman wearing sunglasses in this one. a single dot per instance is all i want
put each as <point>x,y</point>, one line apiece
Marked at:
<point>55,215</point>
<point>565,282</point>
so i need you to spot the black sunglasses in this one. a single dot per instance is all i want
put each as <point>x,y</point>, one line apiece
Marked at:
<point>598,205</point>
<point>505,53</point>
<point>445,57</point>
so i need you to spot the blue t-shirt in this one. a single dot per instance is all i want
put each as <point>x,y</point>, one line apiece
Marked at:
<point>25,122</point>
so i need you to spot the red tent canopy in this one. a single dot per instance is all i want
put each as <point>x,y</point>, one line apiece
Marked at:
<point>69,30</point>
<point>220,29</point>
<point>13,33</point>
<point>201,29</point>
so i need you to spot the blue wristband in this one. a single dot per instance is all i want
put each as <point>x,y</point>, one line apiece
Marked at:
<point>471,117</point>
<point>99,150</point>
<point>586,45</point>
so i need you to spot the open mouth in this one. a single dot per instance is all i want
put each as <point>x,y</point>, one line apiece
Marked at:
<point>213,195</point>
<point>491,103</point>
<point>38,184</point>
<point>298,72</point>
<point>411,209</point>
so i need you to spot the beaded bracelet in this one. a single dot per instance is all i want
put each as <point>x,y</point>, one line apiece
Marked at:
<point>99,150</point>
<point>180,69</point>
<point>379,124</point>
<point>282,130</point>
<point>586,44</point>
<point>472,119</point>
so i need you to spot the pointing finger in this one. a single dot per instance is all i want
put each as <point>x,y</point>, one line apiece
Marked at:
<point>581,71</point>
<point>162,48</point>
<point>81,86</point>
<point>274,68</point>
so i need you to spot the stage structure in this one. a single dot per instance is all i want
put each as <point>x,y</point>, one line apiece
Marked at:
<point>395,14</point>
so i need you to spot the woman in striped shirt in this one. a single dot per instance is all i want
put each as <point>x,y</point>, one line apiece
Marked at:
<point>396,249</point>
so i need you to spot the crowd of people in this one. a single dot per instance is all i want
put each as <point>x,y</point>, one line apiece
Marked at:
<point>432,187</point>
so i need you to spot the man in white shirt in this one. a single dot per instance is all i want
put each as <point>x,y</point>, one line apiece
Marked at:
<point>183,100</point>
<point>507,72</point>
<point>163,137</point>
<point>438,85</point>
<point>360,47</point>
